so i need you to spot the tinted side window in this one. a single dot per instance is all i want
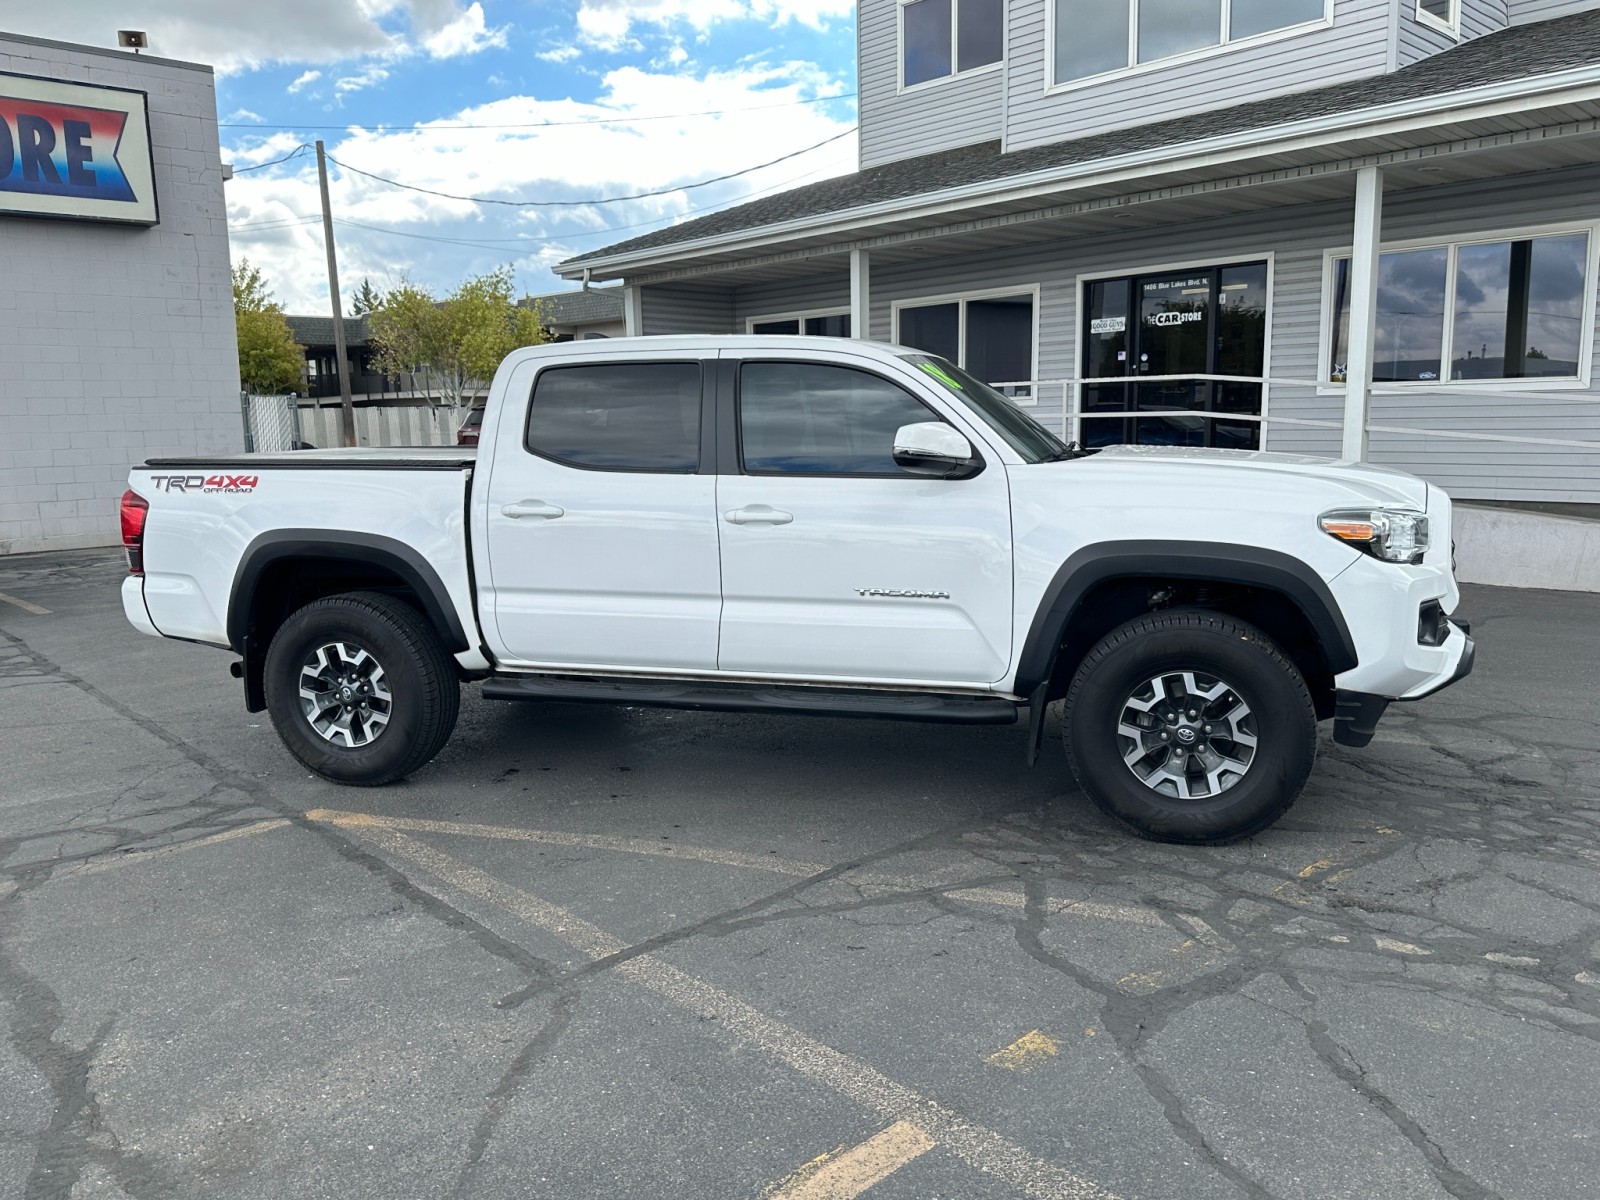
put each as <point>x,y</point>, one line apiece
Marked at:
<point>618,416</point>
<point>815,419</point>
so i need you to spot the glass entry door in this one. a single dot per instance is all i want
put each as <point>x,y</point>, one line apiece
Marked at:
<point>1162,334</point>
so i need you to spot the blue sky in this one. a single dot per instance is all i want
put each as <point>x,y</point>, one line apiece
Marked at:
<point>620,76</point>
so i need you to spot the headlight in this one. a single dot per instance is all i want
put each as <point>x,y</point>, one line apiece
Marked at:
<point>1393,535</point>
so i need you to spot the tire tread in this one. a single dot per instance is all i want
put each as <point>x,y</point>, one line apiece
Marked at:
<point>441,691</point>
<point>1197,621</point>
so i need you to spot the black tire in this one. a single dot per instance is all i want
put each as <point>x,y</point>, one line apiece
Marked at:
<point>1216,648</point>
<point>419,674</point>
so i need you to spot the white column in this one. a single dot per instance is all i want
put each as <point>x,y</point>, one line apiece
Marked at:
<point>633,310</point>
<point>1363,310</point>
<point>860,295</point>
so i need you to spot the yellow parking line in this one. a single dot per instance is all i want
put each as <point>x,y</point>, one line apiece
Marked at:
<point>845,1175</point>
<point>1026,1052</point>
<point>1322,864</point>
<point>1398,947</point>
<point>25,606</point>
<point>851,1078</point>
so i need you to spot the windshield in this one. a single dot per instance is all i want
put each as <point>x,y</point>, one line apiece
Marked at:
<point>1022,433</point>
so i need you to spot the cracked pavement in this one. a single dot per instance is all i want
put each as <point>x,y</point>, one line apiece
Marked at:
<point>593,952</point>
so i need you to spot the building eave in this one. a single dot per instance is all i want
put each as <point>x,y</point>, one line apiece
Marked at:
<point>1574,85</point>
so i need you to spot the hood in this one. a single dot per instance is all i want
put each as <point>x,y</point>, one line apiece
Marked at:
<point>1363,483</point>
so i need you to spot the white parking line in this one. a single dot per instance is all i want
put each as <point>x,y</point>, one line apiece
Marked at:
<point>1128,914</point>
<point>976,1145</point>
<point>95,866</point>
<point>586,841</point>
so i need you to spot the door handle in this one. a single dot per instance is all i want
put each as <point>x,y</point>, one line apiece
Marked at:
<point>758,514</point>
<point>533,508</point>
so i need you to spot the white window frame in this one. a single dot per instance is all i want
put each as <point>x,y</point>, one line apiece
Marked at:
<point>901,86</point>
<point>1539,383</point>
<point>1452,26</point>
<point>961,298</point>
<point>1211,263</point>
<point>801,315</point>
<point>1135,67</point>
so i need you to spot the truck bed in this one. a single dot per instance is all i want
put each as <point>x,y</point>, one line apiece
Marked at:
<point>214,522</point>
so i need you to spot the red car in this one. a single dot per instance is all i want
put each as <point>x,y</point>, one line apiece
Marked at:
<point>467,435</point>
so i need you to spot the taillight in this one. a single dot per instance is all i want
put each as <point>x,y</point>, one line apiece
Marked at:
<point>134,509</point>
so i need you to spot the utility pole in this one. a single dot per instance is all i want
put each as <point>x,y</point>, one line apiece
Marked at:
<point>338,309</point>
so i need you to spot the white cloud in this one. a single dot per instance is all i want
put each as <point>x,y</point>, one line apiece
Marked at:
<point>369,76</point>
<point>465,35</point>
<point>560,54</point>
<point>304,80</point>
<point>607,23</point>
<point>239,115</point>
<point>623,156</point>
<point>235,36</point>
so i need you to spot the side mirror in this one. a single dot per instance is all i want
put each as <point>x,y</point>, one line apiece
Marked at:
<point>934,449</point>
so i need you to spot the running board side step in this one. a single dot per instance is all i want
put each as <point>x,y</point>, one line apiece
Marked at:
<point>718,697</point>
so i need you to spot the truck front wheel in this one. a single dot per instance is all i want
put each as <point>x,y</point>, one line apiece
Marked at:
<point>1190,726</point>
<point>359,688</point>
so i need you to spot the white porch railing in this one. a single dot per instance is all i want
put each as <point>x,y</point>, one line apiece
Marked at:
<point>1038,396</point>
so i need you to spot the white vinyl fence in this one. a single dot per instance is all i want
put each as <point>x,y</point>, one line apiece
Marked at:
<point>381,425</point>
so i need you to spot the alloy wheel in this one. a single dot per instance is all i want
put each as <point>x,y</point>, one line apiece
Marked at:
<point>344,694</point>
<point>1187,735</point>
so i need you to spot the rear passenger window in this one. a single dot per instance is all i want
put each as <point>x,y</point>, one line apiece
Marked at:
<point>618,416</point>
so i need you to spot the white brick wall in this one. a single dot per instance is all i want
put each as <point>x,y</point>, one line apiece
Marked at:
<point>116,342</point>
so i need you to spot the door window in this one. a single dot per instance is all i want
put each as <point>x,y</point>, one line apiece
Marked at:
<point>800,418</point>
<point>618,416</point>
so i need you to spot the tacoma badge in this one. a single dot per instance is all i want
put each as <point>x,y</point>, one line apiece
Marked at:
<point>901,595</point>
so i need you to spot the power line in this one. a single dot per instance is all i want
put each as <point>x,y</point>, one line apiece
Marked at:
<point>603,200</point>
<point>429,127</point>
<point>275,223</point>
<point>517,241</point>
<point>295,153</point>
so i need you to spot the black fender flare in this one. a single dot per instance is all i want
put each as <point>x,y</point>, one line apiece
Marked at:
<point>368,548</point>
<point>1212,562</point>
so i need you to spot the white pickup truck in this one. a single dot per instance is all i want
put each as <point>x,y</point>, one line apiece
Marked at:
<point>812,526</point>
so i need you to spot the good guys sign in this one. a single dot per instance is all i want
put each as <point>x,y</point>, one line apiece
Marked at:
<point>75,150</point>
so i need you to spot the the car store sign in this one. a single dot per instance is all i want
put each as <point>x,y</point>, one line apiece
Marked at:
<point>75,151</point>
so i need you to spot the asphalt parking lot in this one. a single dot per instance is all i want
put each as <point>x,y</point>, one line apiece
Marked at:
<point>629,953</point>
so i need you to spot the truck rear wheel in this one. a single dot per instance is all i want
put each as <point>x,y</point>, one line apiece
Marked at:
<point>1190,726</point>
<point>360,690</point>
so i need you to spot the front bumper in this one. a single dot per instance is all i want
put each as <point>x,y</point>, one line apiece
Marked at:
<point>1356,714</point>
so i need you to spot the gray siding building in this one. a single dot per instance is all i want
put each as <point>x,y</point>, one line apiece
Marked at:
<point>1332,227</point>
<point>117,335</point>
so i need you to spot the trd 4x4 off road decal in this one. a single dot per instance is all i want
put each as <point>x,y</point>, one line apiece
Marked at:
<point>207,485</point>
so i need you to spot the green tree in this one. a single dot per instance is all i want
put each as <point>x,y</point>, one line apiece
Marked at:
<point>452,347</point>
<point>366,300</point>
<point>270,360</point>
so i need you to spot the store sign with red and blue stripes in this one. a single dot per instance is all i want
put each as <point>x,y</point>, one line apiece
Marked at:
<point>75,150</point>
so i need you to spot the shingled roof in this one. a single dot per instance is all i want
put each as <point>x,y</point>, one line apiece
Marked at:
<point>318,331</point>
<point>1524,51</point>
<point>591,307</point>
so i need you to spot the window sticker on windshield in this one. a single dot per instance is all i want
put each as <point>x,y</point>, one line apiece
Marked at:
<point>941,375</point>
